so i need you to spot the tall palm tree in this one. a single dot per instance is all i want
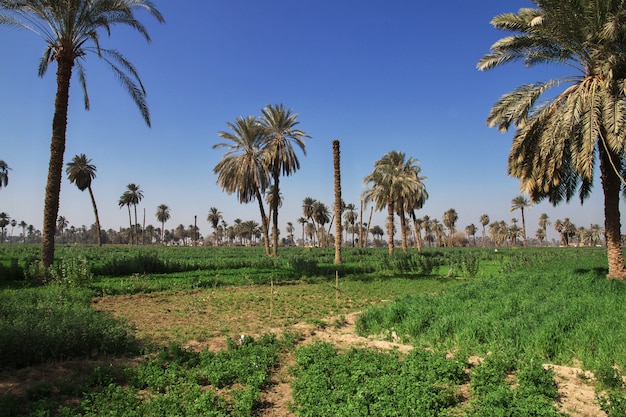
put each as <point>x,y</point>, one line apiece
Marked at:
<point>214,218</point>
<point>484,221</point>
<point>321,215</point>
<point>339,205</point>
<point>4,173</point>
<point>544,222</point>
<point>449,220</point>
<point>350,216</point>
<point>520,203</point>
<point>126,201</point>
<point>280,133</point>
<point>71,30</point>
<point>243,169</point>
<point>471,230</point>
<point>392,181</point>
<point>303,221</point>
<point>559,139</point>
<point>61,225</point>
<point>4,222</point>
<point>308,210</point>
<point>134,195</point>
<point>163,215</point>
<point>81,172</point>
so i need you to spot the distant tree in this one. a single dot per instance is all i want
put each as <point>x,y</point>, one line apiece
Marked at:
<point>321,215</point>
<point>163,215</point>
<point>520,203</point>
<point>484,221</point>
<point>350,216</point>
<point>214,218</point>
<point>23,225</point>
<point>290,229</point>
<point>544,222</point>
<point>377,233</point>
<point>81,172</point>
<point>125,200</point>
<point>303,221</point>
<point>280,133</point>
<point>449,220</point>
<point>471,230</point>
<point>4,174</point>
<point>540,234</point>
<point>134,195</point>
<point>62,224</point>
<point>4,222</point>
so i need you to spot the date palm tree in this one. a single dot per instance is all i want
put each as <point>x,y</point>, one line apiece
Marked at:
<point>350,216</point>
<point>243,169</point>
<point>71,30</point>
<point>134,195</point>
<point>520,203</point>
<point>303,221</point>
<point>81,172</point>
<point>449,220</point>
<point>4,174</point>
<point>559,139</point>
<point>23,225</point>
<point>544,222</point>
<point>214,218</point>
<point>4,222</point>
<point>339,204</point>
<point>125,201</point>
<point>163,214</point>
<point>471,230</point>
<point>484,221</point>
<point>393,181</point>
<point>61,225</point>
<point>280,134</point>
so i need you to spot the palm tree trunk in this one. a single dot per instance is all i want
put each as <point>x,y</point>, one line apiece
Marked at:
<point>611,186</point>
<point>275,214</point>
<point>338,232</point>
<point>264,222</point>
<point>95,212</point>
<point>369,224</point>
<point>57,149</point>
<point>390,214</point>
<point>130,225</point>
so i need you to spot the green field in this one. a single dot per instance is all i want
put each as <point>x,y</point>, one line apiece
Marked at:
<point>169,331</point>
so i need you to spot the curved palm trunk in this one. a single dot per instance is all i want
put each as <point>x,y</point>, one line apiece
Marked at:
<point>95,212</point>
<point>390,214</point>
<point>57,149</point>
<point>338,231</point>
<point>264,222</point>
<point>369,224</point>
<point>611,187</point>
<point>523,226</point>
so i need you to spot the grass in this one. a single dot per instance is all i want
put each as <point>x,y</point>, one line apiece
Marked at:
<point>515,308</point>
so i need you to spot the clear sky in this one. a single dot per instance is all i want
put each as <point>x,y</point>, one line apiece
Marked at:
<point>378,76</point>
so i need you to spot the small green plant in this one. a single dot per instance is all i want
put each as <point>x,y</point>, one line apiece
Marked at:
<point>613,404</point>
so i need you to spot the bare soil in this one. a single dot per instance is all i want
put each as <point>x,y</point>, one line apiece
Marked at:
<point>202,323</point>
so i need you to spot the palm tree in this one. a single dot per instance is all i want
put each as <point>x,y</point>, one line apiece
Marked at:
<point>23,225</point>
<point>303,221</point>
<point>81,172</point>
<point>134,196</point>
<point>4,172</point>
<point>484,221</point>
<point>243,169</point>
<point>394,180</point>
<point>163,215</point>
<point>280,131</point>
<point>471,230</point>
<point>214,218</point>
<point>339,205</point>
<point>540,234</point>
<point>449,220</point>
<point>520,203</point>
<point>61,225</point>
<point>321,215</point>
<point>544,222</point>
<point>557,141</point>
<point>125,201</point>
<point>71,30</point>
<point>350,216</point>
<point>290,229</point>
<point>4,222</point>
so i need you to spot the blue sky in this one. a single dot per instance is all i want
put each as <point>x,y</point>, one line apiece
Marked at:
<point>378,76</point>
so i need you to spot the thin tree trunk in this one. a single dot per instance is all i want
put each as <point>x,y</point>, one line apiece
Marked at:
<point>523,226</point>
<point>275,215</point>
<point>130,225</point>
<point>369,224</point>
<point>338,231</point>
<point>611,186</point>
<point>95,212</point>
<point>264,224</point>
<point>57,150</point>
<point>390,214</point>
<point>361,226</point>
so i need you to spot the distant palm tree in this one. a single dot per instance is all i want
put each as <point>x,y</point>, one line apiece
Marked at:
<point>449,220</point>
<point>71,30</point>
<point>126,201</point>
<point>214,218</point>
<point>484,221</point>
<point>62,224</point>
<point>134,195</point>
<point>520,203</point>
<point>4,222</point>
<point>279,126</point>
<point>544,222</point>
<point>560,138</point>
<point>303,221</point>
<point>289,229</point>
<point>4,173</point>
<point>243,169</point>
<point>308,210</point>
<point>471,230</point>
<point>540,234</point>
<point>23,225</point>
<point>321,215</point>
<point>81,172</point>
<point>350,216</point>
<point>162,215</point>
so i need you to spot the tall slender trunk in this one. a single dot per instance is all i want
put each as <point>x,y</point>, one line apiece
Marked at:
<point>130,225</point>
<point>57,150</point>
<point>390,214</point>
<point>338,231</point>
<point>275,214</point>
<point>369,224</point>
<point>95,212</point>
<point>523,226</point>
<point>264,222</point>
<point>611,186</point>
<point>361,226</point>
<point>135,226</point>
